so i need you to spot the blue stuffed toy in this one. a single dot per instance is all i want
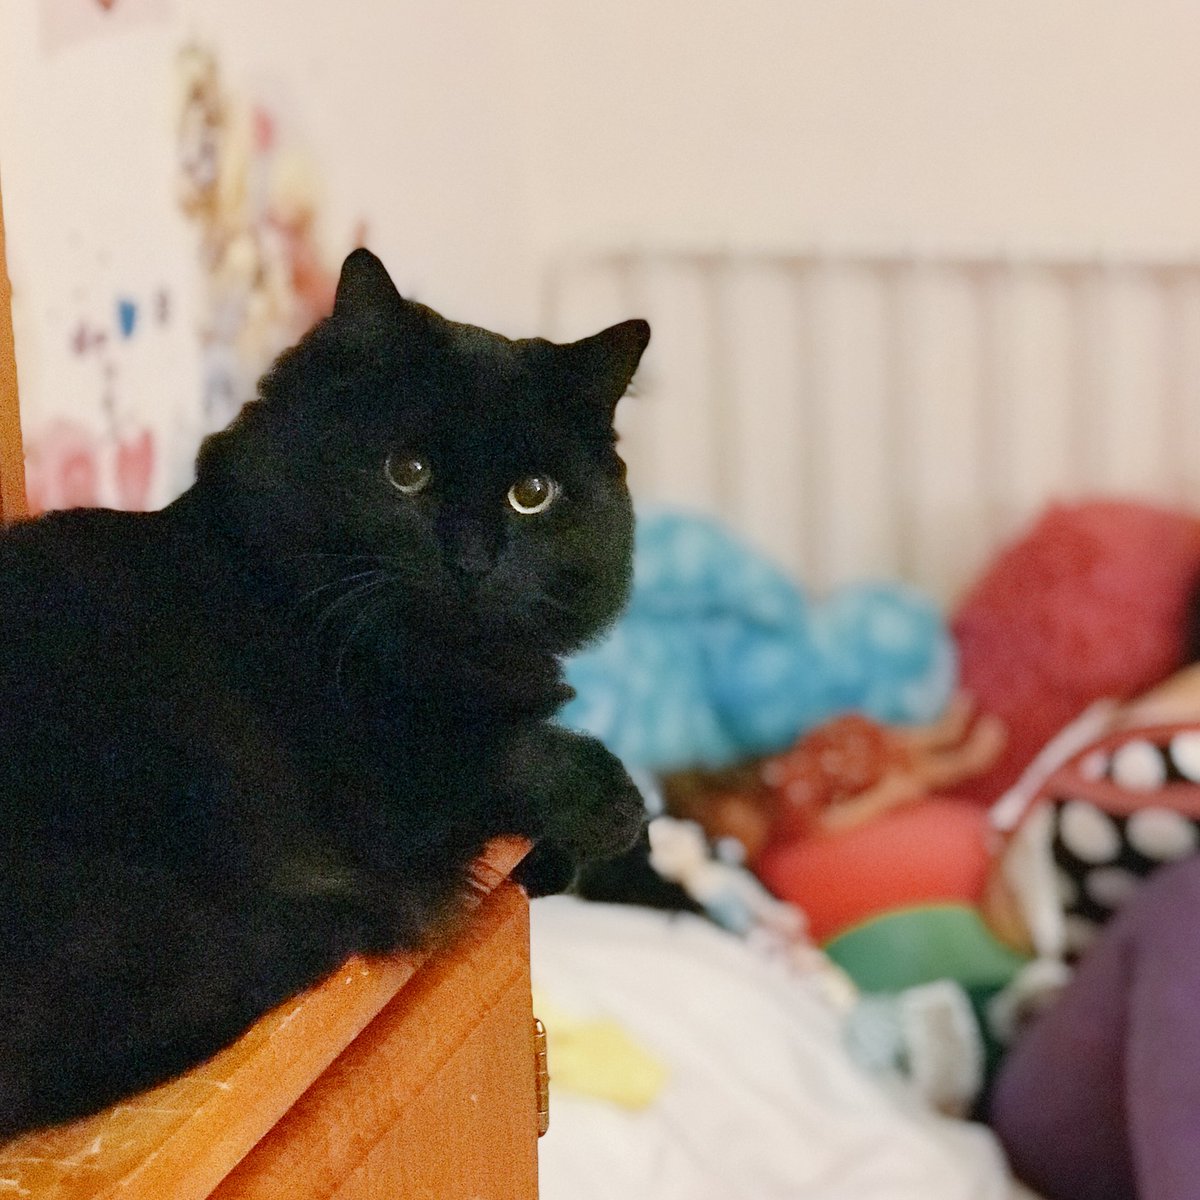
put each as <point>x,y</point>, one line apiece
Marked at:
<point>720,656</point>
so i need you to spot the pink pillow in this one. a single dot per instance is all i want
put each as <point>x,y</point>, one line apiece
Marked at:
<point>1090,603</point>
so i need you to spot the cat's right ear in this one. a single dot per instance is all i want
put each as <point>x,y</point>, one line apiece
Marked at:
<point>365,291</point>
<point>605,363</point>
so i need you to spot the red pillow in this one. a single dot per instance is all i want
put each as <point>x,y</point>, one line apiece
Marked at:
<point>1090,603</point>
<point>929,851</point>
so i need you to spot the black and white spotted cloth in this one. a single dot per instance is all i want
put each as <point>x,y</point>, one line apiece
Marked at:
<point>1103,851</point>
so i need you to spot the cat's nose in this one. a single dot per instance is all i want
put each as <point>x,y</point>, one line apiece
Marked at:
<point>473,555</point>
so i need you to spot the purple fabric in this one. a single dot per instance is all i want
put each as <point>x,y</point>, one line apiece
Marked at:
<point>1100,1100</point>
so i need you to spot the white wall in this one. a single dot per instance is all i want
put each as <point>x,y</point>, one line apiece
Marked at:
<point>943,122</point>
<point>481,138</point>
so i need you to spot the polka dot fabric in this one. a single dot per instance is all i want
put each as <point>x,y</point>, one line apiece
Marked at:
<point>1121,810</point>
<point>720,656</point>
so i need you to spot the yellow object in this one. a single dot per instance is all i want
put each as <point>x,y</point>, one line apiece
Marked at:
<point>598,1057</point>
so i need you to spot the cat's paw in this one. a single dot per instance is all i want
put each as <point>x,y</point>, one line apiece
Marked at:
<point>569,792</point>
<point>604,817</point>
<point>546,870</point>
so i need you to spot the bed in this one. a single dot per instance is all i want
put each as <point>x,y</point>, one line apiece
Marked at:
<point>851,415</point>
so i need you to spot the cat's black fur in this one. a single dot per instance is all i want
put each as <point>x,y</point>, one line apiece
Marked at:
<point>272,724</point>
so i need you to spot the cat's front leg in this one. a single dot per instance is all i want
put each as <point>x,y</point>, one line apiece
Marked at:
<point>573,798</point>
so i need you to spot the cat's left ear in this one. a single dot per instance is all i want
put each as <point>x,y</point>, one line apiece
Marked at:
<point>365,291</point>
<point>606,361</point>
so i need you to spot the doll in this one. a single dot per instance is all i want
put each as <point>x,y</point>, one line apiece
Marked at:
<point>841,775</point>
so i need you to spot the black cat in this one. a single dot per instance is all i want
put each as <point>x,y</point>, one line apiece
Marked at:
<point>272,724</point>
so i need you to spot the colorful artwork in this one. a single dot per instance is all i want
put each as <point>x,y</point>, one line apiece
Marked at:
<point>102,450</point>
<point>138,353</point>
<point>66,467</point>
<point>251,192</point>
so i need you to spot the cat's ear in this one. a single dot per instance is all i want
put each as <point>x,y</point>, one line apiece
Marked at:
<point>365,291</point>
<point>607,360</point>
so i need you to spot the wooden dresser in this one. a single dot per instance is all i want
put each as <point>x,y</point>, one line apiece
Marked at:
<point>407,1078</point>
<point>397,1078</point>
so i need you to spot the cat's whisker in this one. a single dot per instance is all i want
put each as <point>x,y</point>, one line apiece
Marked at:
<point>389,562</point>
<point>342,580</point>
<point>382,561</point>
<point>562,606</point>
<point>338,600</point>
<point>333,583</point>
<point>370,609</point>
<point>357,593</point>
<point>341,556</point>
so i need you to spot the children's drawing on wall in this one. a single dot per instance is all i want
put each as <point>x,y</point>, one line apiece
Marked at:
<point>65,468</point>
<point>111,350</point>
<point>251,191</point>
<point>148,333</point>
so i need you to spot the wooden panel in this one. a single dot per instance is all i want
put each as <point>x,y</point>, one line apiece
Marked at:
<point>435,1101</point>
<point>12,463</point>
<point>181,1139</point>
<point>472,1135</point>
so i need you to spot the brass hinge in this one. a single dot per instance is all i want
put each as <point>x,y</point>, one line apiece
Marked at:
<point>542,1072</point>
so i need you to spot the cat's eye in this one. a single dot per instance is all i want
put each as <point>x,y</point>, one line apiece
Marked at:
<point>407,473</point>
<point>533,494</point>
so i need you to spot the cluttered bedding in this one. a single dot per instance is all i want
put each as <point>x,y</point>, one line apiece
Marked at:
<point>902,877</point>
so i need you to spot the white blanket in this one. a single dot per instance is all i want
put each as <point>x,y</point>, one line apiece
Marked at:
<point>762,1102</point>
